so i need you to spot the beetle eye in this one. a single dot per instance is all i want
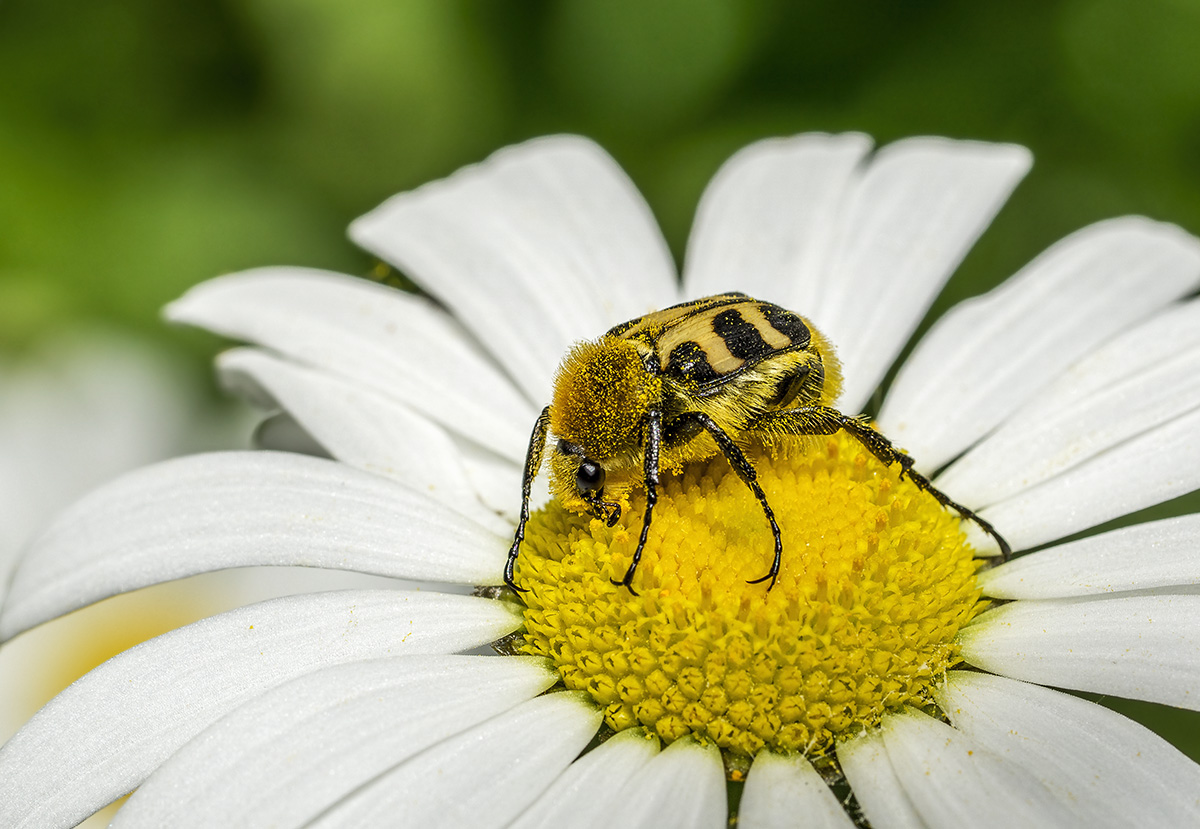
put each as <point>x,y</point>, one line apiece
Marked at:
<point>589,477</point>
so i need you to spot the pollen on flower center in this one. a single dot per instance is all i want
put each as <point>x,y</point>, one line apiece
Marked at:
<point>876,581</point>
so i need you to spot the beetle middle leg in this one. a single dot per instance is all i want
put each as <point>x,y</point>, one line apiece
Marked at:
<point>823,420</point>
<point>694,422</point>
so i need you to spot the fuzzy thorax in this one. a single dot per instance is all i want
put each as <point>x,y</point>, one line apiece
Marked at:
<point>601,395</point>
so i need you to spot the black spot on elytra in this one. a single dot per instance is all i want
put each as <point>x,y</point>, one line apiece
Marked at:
<point>741,337</point>
<point>787,324</point>
<point>688,360</point>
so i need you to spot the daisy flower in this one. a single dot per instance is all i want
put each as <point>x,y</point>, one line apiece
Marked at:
<point>888,661</point>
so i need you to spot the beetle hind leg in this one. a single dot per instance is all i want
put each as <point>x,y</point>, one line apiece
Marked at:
<point>823,420</point>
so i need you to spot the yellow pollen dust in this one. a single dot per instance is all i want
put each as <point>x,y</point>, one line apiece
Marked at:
<point>875,583</point>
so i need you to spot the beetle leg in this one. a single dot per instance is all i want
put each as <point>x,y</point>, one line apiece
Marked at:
<point>745,470</point>
<point>653,443</point>
<point>533,462</point>
<point>823,420</point>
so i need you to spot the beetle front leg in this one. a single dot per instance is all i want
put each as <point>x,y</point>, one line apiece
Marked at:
<point>533,462</point>
<point>653,442</point>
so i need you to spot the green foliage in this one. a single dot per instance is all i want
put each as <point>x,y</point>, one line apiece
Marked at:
<point>146,146</point>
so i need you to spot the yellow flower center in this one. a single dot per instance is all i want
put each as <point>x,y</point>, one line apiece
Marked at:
<point>876,581</point>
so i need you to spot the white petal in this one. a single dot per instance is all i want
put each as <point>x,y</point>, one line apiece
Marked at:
<point>1159,339</point>
<point>103,735</point>
<point>991,354</point>
<point>871,777</point>
<point>1139,381</point>
<point>543,244</point>
<point>913,215</point>
<point>482,778</point>
<point>496,481</point>
<point>953,782</point>
<point>369,431</point>
<point>236,509</point>
<point>1141,647</point>
<point>280,432</point>
<point>780,788</point>
<point>1155,554</point>
<point>285,756</point>
<point>586,794</point>
<point>1107,768</point>
<point>1143,471</point>
<point>683,786</point>
<point>766,221</point>
<point>401,345</point>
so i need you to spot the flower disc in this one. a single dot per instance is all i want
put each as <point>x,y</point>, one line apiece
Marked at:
<point>875,583</point>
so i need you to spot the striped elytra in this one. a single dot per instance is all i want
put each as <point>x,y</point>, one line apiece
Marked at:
<point>708,340</point>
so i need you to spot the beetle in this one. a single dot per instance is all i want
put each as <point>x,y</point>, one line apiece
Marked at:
<point>680,385</point>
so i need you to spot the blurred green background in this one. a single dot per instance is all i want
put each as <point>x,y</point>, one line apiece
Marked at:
<point>145,146</point>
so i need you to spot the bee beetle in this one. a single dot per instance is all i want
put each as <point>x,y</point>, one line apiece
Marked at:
<point>679,385</point>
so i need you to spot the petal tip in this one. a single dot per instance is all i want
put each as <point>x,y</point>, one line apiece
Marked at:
<point>367,229</point>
